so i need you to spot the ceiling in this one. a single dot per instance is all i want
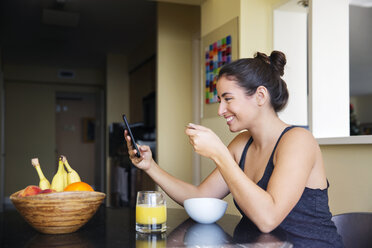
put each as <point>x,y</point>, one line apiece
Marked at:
<point>73,32</point>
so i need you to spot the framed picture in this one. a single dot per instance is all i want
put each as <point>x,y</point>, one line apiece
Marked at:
<point>219,48</point>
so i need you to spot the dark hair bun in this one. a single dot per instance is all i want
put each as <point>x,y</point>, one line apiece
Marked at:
<point>278,61</point>
<point>262,56</point>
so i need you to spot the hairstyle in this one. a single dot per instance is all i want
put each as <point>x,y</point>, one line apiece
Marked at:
<point>250,73</point>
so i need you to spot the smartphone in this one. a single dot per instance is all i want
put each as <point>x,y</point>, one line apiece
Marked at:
<point>134,145</point>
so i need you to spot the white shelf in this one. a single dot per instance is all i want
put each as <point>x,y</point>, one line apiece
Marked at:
<point>350,140</point>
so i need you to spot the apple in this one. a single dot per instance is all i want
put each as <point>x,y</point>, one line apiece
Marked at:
<point>30,190</point>
<point>45,191</point>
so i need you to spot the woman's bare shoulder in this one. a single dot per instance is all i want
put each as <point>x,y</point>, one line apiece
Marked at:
<point>300,132</point>
<point>298,137</point>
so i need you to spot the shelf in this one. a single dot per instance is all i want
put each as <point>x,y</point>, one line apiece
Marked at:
<point>350,140</point>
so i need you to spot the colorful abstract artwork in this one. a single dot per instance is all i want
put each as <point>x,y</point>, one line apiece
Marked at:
<point>216,55</point>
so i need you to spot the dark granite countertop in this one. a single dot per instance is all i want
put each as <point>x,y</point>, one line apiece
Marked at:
<point>115,227</point>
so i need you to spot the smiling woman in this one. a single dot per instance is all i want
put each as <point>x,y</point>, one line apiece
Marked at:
<point>260,167</point>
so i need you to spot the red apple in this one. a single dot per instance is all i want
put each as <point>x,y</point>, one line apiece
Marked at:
<point>30,190</point>
<point>45,191</point>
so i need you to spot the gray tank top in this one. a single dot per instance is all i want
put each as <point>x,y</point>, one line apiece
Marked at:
<point>310,219</point>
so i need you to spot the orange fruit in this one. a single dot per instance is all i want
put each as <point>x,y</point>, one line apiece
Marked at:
<point>78,186</point>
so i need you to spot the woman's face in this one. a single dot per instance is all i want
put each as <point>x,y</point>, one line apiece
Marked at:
<point>235,106</point>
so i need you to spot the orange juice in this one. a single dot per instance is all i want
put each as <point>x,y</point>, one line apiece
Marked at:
<point>151,212</point>
<point>148,215</point>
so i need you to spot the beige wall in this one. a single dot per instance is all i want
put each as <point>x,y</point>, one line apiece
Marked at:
<point>176,25</point>
<point>30,132</point>
<point>117,101</point>
<point>143,52</point>
<point>117,87</point>
<point>141,84</point>
<point>256,29</point>
<point>215,13</point>
<point>349,173</point>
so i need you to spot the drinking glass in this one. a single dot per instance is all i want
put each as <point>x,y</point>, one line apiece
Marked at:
<point>151,212</point>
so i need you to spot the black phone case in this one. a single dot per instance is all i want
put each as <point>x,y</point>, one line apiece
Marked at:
<point>138,154</point>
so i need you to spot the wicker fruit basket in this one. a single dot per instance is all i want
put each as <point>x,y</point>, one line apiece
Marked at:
<point>58,213</point>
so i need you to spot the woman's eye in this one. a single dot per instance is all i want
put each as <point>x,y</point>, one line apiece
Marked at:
<point>227,99</point>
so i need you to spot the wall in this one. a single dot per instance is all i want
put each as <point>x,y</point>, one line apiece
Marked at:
<point>142,83</point>
<point>349,171</point>
<point>30,133</point>
<point>256,29</point>
<point>329,68</point>
<point>290,37</point>
<point>117,87</point>
<point>143,52</point>
<point>176,25</point>
<point>117,101</point>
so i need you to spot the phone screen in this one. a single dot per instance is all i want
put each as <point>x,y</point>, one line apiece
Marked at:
<point>134,145</point>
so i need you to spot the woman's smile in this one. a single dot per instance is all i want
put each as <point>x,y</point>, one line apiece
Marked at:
<point>229,119</point>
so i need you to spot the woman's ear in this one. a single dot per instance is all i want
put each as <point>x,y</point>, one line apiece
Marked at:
<point>262,95</point>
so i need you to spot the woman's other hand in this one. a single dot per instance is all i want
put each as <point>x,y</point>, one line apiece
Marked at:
<point>204,141</point>
<point>144,161</point>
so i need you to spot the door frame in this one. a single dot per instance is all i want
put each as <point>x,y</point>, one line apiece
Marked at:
<point>100,151</point>
<point>2,141</point>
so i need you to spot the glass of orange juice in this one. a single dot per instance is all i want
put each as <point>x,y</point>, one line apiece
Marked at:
<point>151,212</point>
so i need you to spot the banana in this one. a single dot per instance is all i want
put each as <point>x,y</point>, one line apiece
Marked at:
<point>44,183</point>
<point>65,176</point>
<point>72,175</point>
<point>58,182</point>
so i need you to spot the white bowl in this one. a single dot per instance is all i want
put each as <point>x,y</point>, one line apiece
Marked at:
<point>205,210</point>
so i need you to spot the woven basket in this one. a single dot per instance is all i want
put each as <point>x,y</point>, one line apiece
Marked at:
<point>58,213</point>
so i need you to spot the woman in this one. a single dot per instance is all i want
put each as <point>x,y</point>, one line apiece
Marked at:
<point>274,171</point>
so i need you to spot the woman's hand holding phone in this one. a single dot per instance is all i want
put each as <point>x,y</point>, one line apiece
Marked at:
<point>144,161</point>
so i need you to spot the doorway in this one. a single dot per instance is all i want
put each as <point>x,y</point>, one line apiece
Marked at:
<point>78,134</point>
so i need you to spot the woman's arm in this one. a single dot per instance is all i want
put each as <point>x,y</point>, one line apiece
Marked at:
<point>178,190</point>
<point>295,157</point>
